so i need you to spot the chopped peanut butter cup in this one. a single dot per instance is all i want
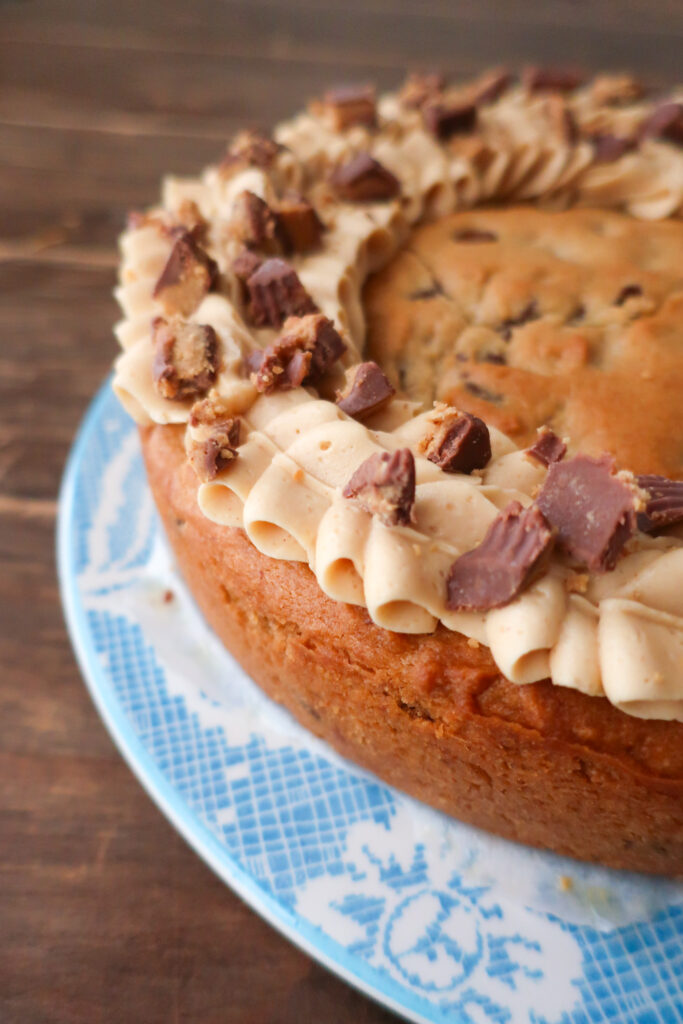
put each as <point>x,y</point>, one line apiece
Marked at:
<point>348,105</point>
<point>249,149</point>
<point>384,485</point>
<point>608,148</point>
<point>592,509</point>
<point>364,180</point>
<point>255,225</point>
<point>547,448</point>
<point>187,277</point>
<point>459,443</point>
<point>300,224</point>
<point>210,455</point>
<point>665,503</point>
<point>665,122</point>
<point>303,354</point>
<point>185,358</point>
<point>246,264</point>
<point>552,79</point>
<point>419,87</point>
<point>491,86</point>
<point>275,292</point>
<point>367,390</point>
<point>445,120</point>
<point>513,552</point>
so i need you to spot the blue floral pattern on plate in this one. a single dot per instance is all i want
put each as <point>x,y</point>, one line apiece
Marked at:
<point>436,920</point>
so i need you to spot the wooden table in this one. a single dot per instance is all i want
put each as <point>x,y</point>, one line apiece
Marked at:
<point>105,914</point>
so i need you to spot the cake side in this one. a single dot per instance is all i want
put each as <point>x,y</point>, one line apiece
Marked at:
<point>431,714</point>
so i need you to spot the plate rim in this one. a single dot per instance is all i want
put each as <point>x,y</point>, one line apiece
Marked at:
<point>309,938</point>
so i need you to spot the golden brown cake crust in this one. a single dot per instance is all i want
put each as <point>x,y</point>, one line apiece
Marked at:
<point>527,317</point>
<point>431,714</point>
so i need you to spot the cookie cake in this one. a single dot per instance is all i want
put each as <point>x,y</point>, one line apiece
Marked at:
<point>409,380</point>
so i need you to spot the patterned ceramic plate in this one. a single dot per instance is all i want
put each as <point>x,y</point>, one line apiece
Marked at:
<point>434,919</point>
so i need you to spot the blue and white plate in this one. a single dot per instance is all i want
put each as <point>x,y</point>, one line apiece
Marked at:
<point>436,920</point>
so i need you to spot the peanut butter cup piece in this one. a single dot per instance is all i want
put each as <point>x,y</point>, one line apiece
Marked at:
<point>491,86</point>
<point>445,120</point>
<point>245,264</point>
<point>608,148</point>
<point>255,225</point>
<point>513,553</point>
<point>249,149</point>
<point>665,122</point>
<point>459,443</point>
<point>665,503</point>
<point>275,292</point>
<point>305,351</point>
<point>547,448</point>
<point>366,391</point>
<point>384,485</point>
<point>419,87</point>
<point>187,277</point>
<point>189,218</point>
<point>210,455</point>
<point>300,224</point>
<point>592,509</point>
<point>348,105</point>
<point>364,180</point>
<point>537,79</point>
<point>185,358</point>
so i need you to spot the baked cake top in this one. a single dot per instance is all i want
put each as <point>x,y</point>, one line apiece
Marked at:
<point>561,549</point>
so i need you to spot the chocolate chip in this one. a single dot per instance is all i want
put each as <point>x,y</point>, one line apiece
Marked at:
<point>250,149</point>
<point>427,293</point>
<point>552,79</point>
<point>629,291</point>
<point>419,88</point>
<point>514,551</point>
<point>300,224</point>
<point>275,292</point>
<point>665,505</point>
<point>496,358</point>
<point>303,354</point>
<point>367,390</point>
<point>480,392</point>
<point>185,358</point>
<point>474,235</point>
<point>592,509</point>
<point>348,105</point>
<point>445,120</point>
<point>363,179</point>
<point>460,443</point>
<point>188,275</point>
<point>211,454</point>
<point>529,313</point>
<point>384,485</point>
<point>547,448</point>
<point>255,225</point>
<point>608,148</point>
<point>577,315</point>
<point>665,122</point>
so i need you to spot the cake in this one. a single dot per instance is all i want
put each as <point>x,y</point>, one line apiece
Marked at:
<point>408,374</point>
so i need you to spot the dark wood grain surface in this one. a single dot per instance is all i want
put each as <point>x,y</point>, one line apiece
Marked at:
<point>105,914</point>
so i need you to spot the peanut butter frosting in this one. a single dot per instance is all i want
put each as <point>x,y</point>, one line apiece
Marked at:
<point>281,469</point>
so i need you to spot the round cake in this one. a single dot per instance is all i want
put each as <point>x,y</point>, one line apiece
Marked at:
<point>409,375</point>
